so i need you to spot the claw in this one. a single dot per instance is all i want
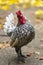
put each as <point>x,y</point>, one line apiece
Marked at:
<point>21,59</point>
<point>24,56</point>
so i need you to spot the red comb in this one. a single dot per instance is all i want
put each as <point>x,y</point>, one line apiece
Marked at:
<point>18,12</point>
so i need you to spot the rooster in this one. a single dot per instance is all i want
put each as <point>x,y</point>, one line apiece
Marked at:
<point>22,34</point>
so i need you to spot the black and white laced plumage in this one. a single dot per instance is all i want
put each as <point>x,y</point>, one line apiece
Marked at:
<point>21,35</point>
<point>24,34</point>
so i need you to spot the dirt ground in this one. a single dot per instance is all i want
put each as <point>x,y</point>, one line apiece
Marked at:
<point>8,55</point>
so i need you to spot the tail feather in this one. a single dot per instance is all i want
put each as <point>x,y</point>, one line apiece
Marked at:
<point>9,24</point>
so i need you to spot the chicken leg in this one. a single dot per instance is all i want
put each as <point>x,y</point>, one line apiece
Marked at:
<point>20,56</point>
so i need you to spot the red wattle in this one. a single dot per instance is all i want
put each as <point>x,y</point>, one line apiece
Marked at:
<point>22,20</point>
